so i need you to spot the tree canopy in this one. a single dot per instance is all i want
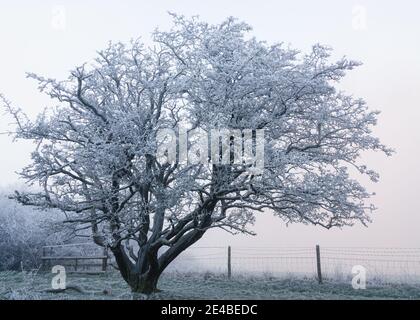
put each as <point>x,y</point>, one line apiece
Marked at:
<point>96,155</point>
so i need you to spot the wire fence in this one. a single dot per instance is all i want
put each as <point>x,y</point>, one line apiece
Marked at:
<point>381,264</point>
<point>335,263</point>
<point>384,265</point>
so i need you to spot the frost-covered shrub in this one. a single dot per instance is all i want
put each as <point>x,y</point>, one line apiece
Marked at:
<point>23,232</point>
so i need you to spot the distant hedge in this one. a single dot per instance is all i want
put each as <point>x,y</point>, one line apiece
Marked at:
<point>23,232</point>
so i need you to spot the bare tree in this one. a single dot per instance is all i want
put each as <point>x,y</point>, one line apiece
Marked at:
<point>96,155</point>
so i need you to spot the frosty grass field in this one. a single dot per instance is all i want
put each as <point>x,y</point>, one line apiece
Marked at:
<point>17,285</point>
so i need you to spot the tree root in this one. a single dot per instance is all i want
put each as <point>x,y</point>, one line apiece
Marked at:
<point>75,288</point>
<point>79,290</point>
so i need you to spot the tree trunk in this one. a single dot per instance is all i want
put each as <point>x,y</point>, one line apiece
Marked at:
<point>146,283</point>
<point>143,276</point>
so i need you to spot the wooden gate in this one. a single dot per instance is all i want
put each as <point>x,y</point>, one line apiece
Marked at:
<point>76,257</point>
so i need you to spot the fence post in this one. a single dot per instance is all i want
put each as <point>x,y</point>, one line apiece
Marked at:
<point>104,260</point>
<point>318,264</point>
<point>229,263</point>
<point>50,262</point>
<point>44,262</point>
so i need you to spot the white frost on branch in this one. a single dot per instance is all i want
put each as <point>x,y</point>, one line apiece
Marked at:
<point>96,154</point>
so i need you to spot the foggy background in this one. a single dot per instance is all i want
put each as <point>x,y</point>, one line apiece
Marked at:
<point>52,37</point>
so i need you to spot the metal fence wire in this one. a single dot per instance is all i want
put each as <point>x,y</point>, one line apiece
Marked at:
<point>335,263</point>
<point>385,265</point>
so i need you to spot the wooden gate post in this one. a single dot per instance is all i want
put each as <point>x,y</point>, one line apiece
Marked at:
<point>44,263</point>
<point>105,259</point>
<point>229,263</point>
<point>318,264</point>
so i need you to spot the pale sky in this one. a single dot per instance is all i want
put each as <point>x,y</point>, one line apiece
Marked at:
<point>52,37</point>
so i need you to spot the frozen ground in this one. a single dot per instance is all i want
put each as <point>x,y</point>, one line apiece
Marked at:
<point>15,285</point>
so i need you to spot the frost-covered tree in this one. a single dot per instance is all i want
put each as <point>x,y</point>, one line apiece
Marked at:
<point>23,232</point>
<point>96,155</point>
